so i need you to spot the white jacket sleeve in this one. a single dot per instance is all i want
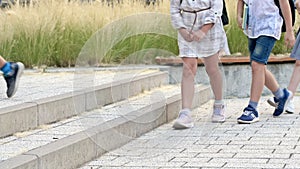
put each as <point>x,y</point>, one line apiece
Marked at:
<point>214,12</point>
<point>176,18</point>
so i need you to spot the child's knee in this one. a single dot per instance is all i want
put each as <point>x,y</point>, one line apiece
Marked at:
<point>257,66</point>
<point>211,71</point>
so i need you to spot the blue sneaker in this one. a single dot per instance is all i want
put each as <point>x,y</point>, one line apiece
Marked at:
<point>282,102</point>
<point>290,107</point>
<point>12,78</point>
<point>250,115</point>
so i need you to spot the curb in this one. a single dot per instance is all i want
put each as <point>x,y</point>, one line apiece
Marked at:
<point>224,60</point>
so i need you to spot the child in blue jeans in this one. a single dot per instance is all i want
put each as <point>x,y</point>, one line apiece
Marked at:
<point>263,28</point>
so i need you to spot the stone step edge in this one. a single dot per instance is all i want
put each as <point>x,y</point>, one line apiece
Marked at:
<point>224,60</point>
<point>80,148</point>
<point>30,115</point>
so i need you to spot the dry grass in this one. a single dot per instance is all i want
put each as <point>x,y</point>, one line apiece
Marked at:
<point>46,13</point>
<point>52,32</point>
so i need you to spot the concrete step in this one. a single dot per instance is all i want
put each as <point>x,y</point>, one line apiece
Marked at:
<point>72,142</point>
<point>45,98</point>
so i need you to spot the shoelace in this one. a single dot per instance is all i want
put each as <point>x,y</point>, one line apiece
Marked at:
<point>10,74</point>
<point>218,109</point>
<point>247,112</point>
<point>183,114</point>
<point>280,104</point>
<point>185,117</point>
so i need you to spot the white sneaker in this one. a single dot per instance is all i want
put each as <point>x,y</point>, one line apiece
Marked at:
<point>218,113</point>
<point>290,107</point>
<point>184,120</point>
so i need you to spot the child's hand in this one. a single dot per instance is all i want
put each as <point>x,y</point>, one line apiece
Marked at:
<point>240,22</point>
<point>201,33</point>
<point>186,34</point>
<point>198,35</point>
<point>298,6</point>
<point>289,39</point>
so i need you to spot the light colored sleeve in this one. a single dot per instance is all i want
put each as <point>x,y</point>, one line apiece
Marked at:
<point>176,18</point>
<point>214,12</point>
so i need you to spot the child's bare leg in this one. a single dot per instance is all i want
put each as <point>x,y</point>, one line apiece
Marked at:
<point>184,119</point>
<point>216,82</point>
<point>215,76</point>
<point>2,61</point>
<point>295,79</point>
<point>258,80</point>
<point>187,82</point>
<point>271,82</point>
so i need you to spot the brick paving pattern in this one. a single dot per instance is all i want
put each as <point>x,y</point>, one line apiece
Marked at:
<point>270,143</point>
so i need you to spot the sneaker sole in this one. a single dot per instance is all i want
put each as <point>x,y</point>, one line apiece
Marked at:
<point>218,121</point>
<point>272,103</point>
<point>289,112</point>
<point>20,72</point>
<point>247,122</point>
<point>178,125</point>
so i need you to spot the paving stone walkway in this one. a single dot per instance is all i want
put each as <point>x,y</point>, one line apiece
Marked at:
<point>270,143</point>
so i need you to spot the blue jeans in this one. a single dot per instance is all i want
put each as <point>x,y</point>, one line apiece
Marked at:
<point>260,48</point>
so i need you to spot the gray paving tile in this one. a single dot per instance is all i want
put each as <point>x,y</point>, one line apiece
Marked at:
<point>270,143</point>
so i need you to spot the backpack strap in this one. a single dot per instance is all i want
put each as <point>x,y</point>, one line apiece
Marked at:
<point>292,7</point>
<point>225,19</point>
